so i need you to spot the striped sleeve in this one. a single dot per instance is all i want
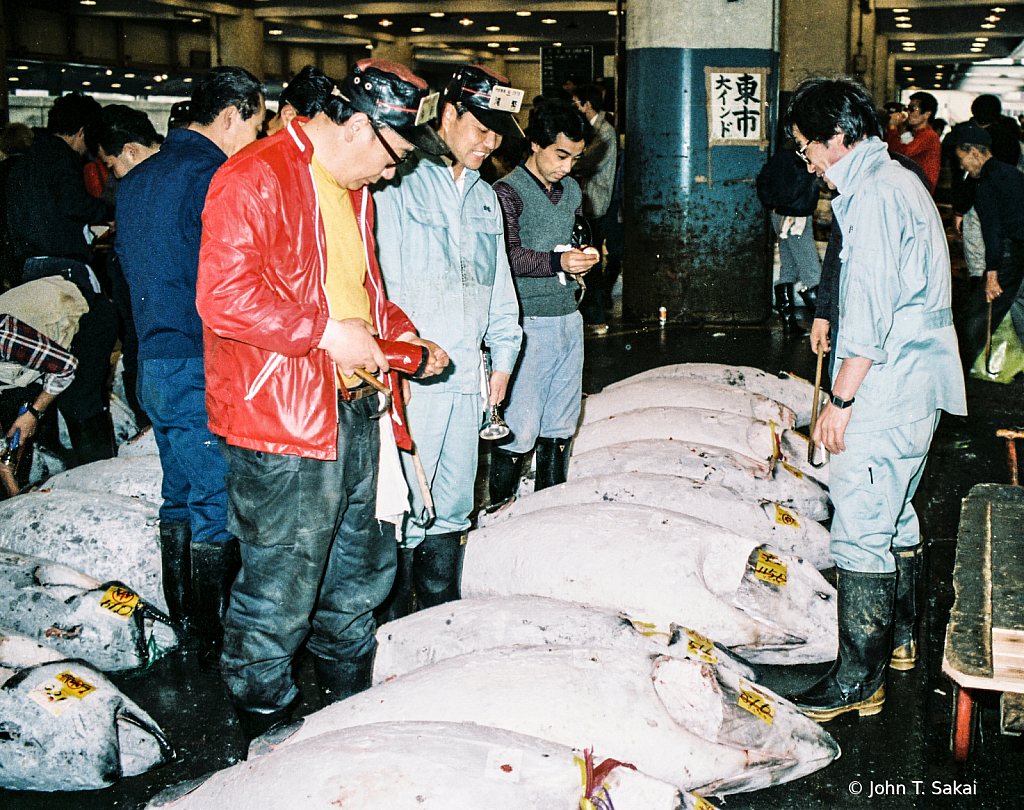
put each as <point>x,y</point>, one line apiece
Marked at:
<point>524,262</point>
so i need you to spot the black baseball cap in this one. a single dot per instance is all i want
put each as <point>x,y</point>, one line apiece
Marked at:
<point>968,134</point>
<point>489,96</point>
<point>393,96</point>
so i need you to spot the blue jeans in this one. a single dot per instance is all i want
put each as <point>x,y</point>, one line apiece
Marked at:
<point>314,560</point>
<point>548,383</point>
<point>173,393</point>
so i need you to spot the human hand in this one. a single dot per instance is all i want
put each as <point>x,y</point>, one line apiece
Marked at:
<point>578,262</point>
<point>831,428</point>
<point>350,344</point>
<point>499,385</point>
<point>992,288</point>
<point>437,359</point>
<point>959,220</point>
<point>819,335</point>
<point>26,423</point>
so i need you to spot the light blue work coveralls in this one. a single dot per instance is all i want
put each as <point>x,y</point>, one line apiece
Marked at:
<point>894,309</point>
<point>443,259</point>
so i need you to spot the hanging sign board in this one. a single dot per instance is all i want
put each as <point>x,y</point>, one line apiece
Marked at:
<point>736,106</point>
<point>558,64</point>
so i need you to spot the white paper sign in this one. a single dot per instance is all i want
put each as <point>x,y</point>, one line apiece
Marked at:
<point>736,106</point>
<point>506,99</point>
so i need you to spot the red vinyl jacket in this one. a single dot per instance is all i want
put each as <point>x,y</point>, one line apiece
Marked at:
<point>261,295</point>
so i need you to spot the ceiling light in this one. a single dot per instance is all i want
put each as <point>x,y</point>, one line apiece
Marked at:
<point>369,46</point>
<point>86,84</point>
<point>13,79</point>
<point>350,16</point>
<point>513,49</point>
<point>110,73</point>
<point>906,43</point>
<point>493,27</point>
<point>900,10</point>
<point>904,25</point>
<point>988,25</point>
<point>493,44</point>
<point>417,30</point>
<point>87,2</point>
<point>999,10</point>
<point>549,21</point>
<point>148,87</point>
<point>187,79</point>
<point>938,86</point>
<point>386,23</point>
<point>613,12</point>
<point>436,13</point>
<point>975,50</point>
<point>907,67</point>
<point>275,32</point>
<point>22,67</point>
<point>557,44</point>
<point>523,13</point>
<point>197,19</point>
<point>115,84</point>
<point>939,67</point>
<point>902,19</point>
<point>158,78</point>
<point>129,75</point>
<point>992,18</point>
<point>465,21</point>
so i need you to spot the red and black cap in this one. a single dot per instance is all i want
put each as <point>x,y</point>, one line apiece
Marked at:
<point>489,96</point>
<point>394,97</point>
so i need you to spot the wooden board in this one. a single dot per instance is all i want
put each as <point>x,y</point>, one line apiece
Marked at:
<point>1007,569</point>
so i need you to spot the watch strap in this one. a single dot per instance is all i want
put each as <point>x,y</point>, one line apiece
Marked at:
<point>839,402</point>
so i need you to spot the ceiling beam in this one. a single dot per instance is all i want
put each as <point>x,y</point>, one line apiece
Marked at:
<point>936,57</point>
<point>888,5</point>
<point>981,32</point>
<point>452,7</point>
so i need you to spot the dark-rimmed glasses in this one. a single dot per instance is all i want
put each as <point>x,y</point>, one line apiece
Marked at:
<point>396,160</point>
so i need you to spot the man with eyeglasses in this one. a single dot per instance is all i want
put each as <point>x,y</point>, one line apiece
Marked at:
<point>911,134</point>
<point>897,368</point>
<point>292,300</point>
<point>442,253</point>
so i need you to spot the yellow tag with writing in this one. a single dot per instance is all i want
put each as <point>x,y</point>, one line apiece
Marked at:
<point>649,629</point>
<point>793,469</point>
<point>700,803</point>
<point>700,646</point>
<point>54,694</point>
<point>757,704</point>
<point>770,568</point>
<point>119,601</point>
<point>784,518</point>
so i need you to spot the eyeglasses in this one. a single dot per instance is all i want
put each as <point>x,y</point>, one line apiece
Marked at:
<point>803,153</point>
<point>913,108</point>
<point>396,160</point>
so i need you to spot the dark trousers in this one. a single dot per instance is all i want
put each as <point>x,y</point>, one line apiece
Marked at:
<point>1011,272</point>
<point>314,560</point>
<point>597,302</point>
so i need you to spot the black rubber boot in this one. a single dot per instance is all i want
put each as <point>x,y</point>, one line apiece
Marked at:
<point>506,470</point>
<point>256,724</point>
<point>437,569</point>
<point>93,439</point>
<point>338,680</point>
<point>399,601</point>
<point>909,564</point>
<point>856,681</point>
<point>176,568</point>
<point>214,568</point>
<point>785,303</point>
<point>810,296</point>
<point>552,457</point>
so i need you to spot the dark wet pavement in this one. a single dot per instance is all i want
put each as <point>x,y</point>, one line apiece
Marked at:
<point>904,752</point>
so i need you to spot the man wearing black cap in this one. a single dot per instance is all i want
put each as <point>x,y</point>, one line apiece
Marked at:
<point>291,299</point>
<point>442,253</point>
<point>999,203</point>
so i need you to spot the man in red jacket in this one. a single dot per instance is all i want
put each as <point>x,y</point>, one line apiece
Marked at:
<point>911,134</point>
<point>291,298</point>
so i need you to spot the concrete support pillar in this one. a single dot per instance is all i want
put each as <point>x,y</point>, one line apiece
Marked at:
<point>862,45</point>
<point>399,51</point>
<point>882,76</point>
<point>814,39</point>
<point>497,64</point>
<point>696,234</point>
<point>241,42</point>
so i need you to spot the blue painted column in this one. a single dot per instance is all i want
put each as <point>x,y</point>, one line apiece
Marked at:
<point>697,238</point>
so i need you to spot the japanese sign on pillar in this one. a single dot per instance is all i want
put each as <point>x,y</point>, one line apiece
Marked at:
<point>736,106</point>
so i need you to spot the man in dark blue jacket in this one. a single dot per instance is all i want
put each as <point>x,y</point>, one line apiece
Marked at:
<point>159,215</point>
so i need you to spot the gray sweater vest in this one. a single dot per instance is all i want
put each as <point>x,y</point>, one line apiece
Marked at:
<point>542,226</point>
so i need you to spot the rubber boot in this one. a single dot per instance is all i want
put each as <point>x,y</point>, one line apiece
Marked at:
<point>786,306</point>
<point>437,569</point>
<point>93,439</point>
<point>176,568</point>
<point>399,601</point>
<point>810,296</point>
<point>856,682</point>
<point>552,457</point>
<point>214,568</point>
<point>256,724</point>
<point>338,680</point>
<point>909,564</point>
<point>506,470</point>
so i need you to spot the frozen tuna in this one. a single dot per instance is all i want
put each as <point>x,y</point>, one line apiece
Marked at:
<point>105,624</point>
<point>108,537</point>
<point>664,568</point>
<point>131,476</point>
<point>786,529</point>
<point>472,625</point>
<point>399,765</point>
<point>685,392</point>
<point>793,391</point>
<point>746,477</point>
<point>142,444</point>
<point>691,724</point>
<point>64,726</point>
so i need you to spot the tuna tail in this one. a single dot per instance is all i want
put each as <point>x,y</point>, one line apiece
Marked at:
<point>761,771</point>
<point>152,729</point>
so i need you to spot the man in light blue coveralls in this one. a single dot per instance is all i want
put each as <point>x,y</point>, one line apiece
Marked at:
<point>899,367</point>
<point>442,254</point>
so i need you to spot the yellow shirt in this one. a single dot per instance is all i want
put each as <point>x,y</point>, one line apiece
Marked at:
<point>346,259</point>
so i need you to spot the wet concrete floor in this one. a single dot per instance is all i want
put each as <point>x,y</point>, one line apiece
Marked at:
<point>899,759</point>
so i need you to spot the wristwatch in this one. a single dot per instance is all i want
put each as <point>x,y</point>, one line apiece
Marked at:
<point>30,409</point>
<point>842,403</point>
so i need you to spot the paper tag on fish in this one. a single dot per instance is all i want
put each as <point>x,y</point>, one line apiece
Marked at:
<point>650,629</point>
<point>53,695</point>
<point>119,601</point>
<point>770,568</point>
<point>784,518</point>
<point>757,704</point>
<point>504,764</point>
<point>700,803</point>
<point>700,646</point>
<point>793,470</point>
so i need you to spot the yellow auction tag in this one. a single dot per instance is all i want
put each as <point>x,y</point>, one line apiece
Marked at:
<point>759,705</point>
<point>784,518</point>
<point>119,601</point>
<point>649,629</point>
<point>793,469</point>
<point>700,646</point>
<point>53,694</point>
<point>700,803</point>
<point>770,568</point>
